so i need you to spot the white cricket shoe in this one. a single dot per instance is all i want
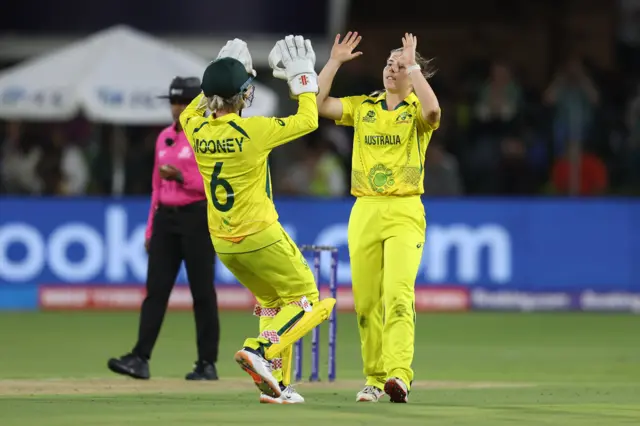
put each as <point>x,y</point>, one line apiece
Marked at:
<point>397,390</point>
<point>369,394</point>
<point>289,396</point>
<point>260,371</point>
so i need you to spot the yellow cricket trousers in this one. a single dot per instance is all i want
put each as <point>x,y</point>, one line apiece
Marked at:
<point>386,238</point>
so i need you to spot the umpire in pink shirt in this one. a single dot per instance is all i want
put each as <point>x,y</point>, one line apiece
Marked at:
<point>177,231</point>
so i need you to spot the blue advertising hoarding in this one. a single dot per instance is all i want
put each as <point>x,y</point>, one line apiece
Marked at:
<point>557,251</point>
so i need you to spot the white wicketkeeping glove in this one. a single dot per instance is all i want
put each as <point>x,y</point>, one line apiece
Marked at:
<point>298,60</point>
<point>275,59</point>
<point>237,49</point>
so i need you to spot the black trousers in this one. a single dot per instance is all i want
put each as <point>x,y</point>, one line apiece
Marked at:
<point>180,233</point>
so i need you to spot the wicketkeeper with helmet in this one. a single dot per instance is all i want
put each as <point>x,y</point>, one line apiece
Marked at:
<point>232,155</point>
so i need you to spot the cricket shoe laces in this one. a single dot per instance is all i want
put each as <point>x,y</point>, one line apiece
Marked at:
<point>369,394</point>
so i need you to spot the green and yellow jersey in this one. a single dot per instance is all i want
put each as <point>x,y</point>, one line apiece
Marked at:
<point>389,147</point>
<point>232,155</point>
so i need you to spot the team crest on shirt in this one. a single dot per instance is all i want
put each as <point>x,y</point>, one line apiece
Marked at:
<point>370,117</point>
<point>404,118</point>
<point>381,178</point>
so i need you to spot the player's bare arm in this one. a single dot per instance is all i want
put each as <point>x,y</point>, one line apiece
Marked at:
<point>421,87</point>
<point>341,52</point>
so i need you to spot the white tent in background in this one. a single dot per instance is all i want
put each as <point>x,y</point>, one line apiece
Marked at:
<point>113,76</point>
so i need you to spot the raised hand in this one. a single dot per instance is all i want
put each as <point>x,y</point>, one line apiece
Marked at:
<point>342,51</point>
<point>275,56</point>
<point>237,49</point>
<point>298,60</point>
<point>409,44</point>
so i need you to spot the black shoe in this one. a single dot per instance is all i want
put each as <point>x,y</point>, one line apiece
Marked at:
<point>130,365</point>
<point>203,370</point>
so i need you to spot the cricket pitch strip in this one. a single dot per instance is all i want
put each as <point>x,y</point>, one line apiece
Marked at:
<point>115,386</point>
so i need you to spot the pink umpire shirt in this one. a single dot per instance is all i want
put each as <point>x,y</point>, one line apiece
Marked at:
<point>172,193</point>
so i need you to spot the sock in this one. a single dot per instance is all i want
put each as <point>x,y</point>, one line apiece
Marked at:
<point>284,320</point>
<point>276,363</point>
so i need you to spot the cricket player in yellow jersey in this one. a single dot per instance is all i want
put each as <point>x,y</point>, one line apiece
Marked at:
<point>231,153</point>
<point>387,224</point>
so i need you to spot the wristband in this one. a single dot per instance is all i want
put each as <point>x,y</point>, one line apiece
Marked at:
<point>413,68</point>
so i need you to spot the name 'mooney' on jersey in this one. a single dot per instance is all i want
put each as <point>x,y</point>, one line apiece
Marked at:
<point>389,147</point>
<point>232,156</point>
<point>230,145</point>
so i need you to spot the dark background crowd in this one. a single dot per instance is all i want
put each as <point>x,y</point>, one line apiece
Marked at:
<point>538,98</point>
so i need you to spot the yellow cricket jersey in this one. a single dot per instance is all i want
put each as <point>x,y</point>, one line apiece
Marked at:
<point>389,147</point>
<point>232,156</point>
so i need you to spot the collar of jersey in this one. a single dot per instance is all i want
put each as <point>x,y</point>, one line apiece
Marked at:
<point>382,100</point>
<point>228,117</point>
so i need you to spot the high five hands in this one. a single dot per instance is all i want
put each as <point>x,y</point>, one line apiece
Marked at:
<point>409,44</point>
<point>342,51</point>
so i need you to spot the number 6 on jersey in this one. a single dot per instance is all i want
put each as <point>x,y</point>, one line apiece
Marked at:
<point>216,181</point>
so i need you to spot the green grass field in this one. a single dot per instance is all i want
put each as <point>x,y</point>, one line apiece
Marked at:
<point>471,369</point>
